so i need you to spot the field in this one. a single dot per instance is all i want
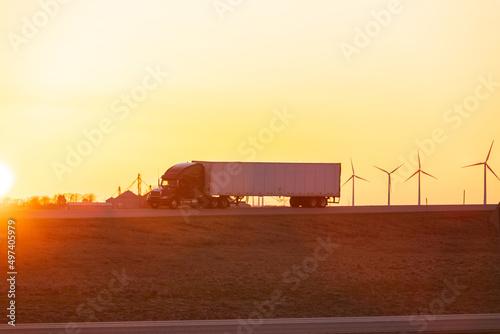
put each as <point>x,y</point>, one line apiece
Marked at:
<point>255,266</point>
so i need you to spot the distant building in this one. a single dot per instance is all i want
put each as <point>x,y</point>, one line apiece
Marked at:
<point>127,200</point>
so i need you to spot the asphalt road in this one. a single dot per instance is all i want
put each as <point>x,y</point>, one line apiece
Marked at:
<point>458,323</point>
<point>233,211</point>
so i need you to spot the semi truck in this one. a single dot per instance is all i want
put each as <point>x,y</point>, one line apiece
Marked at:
<point>218,184</point>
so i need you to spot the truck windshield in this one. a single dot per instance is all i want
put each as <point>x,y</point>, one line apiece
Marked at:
<point>169,183</point>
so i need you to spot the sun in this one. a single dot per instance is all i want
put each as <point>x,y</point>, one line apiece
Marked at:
<point>6,179</point>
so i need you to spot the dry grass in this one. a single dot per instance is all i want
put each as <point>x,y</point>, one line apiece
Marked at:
<point>219,267</point>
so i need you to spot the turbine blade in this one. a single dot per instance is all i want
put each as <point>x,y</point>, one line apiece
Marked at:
<point>349,179</point>
<point>352,166</point>
<point>491,170</point>
<point>361,178</point>
<point>412,175</point>
<point>478,164</point>
<point>489,151</point>
<point>383,170</point>
<point>397,168</point>
<point>418,154</point>
<point>429,175</point>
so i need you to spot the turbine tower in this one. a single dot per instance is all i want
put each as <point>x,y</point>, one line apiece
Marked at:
<point>353,177</point>
<point>486,166</point>
<point>419,171</point>
<point>389,186</point>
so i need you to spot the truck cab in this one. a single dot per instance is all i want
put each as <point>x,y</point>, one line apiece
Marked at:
<point>181,184</point>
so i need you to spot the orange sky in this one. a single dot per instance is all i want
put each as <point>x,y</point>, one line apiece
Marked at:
<point>138,86</point>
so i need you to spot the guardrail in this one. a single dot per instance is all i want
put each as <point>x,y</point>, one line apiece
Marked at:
<point>457,323</point>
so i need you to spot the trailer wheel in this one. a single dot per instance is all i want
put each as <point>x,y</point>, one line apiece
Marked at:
<point>294,202</point>
<point>174,203</point>
<point>223,202</point>
<point>212,204</point>
<point>311,202</point>
<point>321,203</point>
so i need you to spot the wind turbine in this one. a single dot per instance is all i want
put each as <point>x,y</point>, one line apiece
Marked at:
<point>419,171</point>
<point>485,167</point>
<point>353,177</point>
<point>389,187</point>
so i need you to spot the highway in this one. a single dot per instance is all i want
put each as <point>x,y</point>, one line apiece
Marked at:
<point>234,211</point>
<point>471,323</point>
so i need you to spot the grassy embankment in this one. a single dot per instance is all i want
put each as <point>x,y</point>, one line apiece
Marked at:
<point>229,267</point>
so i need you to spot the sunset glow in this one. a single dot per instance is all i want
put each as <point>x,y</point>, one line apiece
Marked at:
<point>94,93</point>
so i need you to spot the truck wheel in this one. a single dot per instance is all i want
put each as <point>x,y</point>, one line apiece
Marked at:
<point>321,202</point>
<point>212,204</point>
<point>154,206</point>
<point>311,202</point>
<point>294,202</point>
<point>174,203</point>
<point>223,202</point>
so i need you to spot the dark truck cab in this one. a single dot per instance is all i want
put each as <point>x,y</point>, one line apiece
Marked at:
<point>183,183</point>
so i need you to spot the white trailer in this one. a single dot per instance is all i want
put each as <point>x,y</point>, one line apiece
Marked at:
<point>307,184</point>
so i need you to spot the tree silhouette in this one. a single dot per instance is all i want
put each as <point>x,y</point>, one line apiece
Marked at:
<point>90,198</point>
<point>34,202</point>
<point>57,201</point>
<point>61,201</point>
<point>45,201</point>
<point>75,197</point>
